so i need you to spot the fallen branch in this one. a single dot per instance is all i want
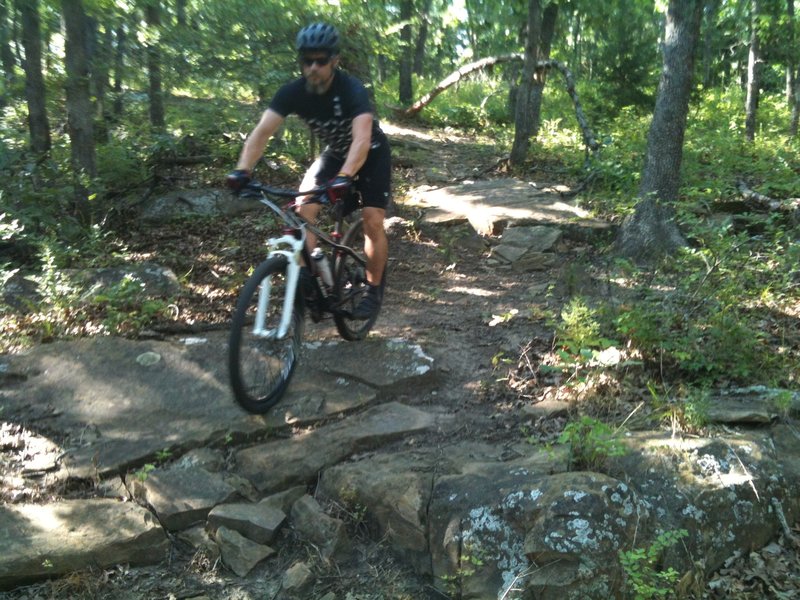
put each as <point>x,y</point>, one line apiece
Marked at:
<point>762,202</point>
<point>588,136</point>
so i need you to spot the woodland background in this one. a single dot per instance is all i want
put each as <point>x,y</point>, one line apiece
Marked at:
<point>689,144</point>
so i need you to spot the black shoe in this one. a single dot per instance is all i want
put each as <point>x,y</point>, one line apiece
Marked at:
<point>369,306</point>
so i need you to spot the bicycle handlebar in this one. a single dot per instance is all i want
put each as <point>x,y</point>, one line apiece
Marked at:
<point>258,190</point>
<point>254,186</point>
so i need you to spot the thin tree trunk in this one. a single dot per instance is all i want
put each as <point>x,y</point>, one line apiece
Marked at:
<point>795,105</point>
<point>576,43</point>
<point>119,70</point>
<point>650,232</point>
<point>540,78</point>
<point>708,42</point>
<point>406,87</point>
<point>79,105</point>
<point>100,74</point>
<point>422,38</point>
<point>790,68</point>
<point>523,126</point>
<point>472,26</point>
<point>153,18</point>
<point>793,74</point>
<point>753,79</point>
<point>6,56</point>
<point>38,125</point>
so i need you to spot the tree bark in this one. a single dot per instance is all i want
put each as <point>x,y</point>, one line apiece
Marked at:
<point>119,70</point>
<point>79,106</point>
<point>792,62</point>
<point>38,125</point>
<point>422,38</point>
<point>540,77</point>
<point>523,126</point>
<point>6,56</point>
<point>100,79</point>
<point>406,88</point>
<point>795,106</point>
<point>153,18</point>
<point>753,78</point>
<point>650,232</point>
<point>708,42</point>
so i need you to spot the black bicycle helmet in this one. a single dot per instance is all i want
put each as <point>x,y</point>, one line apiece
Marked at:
<point>318,37</point>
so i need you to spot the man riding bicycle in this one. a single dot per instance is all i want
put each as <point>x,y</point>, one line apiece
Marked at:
<point>336,107</point>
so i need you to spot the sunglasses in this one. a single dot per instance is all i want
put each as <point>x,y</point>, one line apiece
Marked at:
<point>322,61</point>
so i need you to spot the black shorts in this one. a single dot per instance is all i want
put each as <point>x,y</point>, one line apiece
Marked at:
<point>373,182</point>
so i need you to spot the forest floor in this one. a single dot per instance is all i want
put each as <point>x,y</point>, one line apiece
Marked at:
<point>486,344</point>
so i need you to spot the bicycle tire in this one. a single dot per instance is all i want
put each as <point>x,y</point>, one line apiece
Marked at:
<point>260,368</point>
<point>350,281</point>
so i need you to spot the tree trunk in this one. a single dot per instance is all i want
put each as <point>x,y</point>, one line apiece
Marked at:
<point>38,125</point>
<point>100,79</point>
<point>540,78</point>
<point>523,126</point>
<point>708,42</point>
<point>753,78</point>
<point>79,105</point>
<point>153,19</point>
<point>792,62</point>
<point>422,38</point>
<point>6,56</point>
<point>795,105</point>
<point>650,232</point>
<point>119,70</point>
<point>472,26</point>
<point>793,74</point>
<point>576,43</point>
<point>406,87</point>
<point>180,13</point>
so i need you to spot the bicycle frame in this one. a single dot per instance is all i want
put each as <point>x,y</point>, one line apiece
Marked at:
<point>292,246</point>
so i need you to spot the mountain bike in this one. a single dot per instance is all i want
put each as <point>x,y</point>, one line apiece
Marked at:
<point>268,322</point>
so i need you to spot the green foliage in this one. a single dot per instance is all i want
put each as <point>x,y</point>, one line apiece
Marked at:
<point>125,306</point>
<point>144,472</point>
<point>686,411</point>
<point>579,327</point>
<point>578,336</point>
<point>642,576</point>
<point>591,443</point>
<point>710,324</point>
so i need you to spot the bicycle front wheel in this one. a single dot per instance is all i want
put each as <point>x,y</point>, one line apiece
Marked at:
<point>261,362</point>
<point>350,283</point>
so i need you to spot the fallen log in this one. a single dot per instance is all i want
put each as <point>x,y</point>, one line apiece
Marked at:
<point>761,202</point>
<point>588,136</point>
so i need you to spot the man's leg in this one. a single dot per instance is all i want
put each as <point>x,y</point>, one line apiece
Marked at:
<point>376,246</point>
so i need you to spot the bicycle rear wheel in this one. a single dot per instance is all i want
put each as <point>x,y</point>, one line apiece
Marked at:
<point>350,283</point>
<point>261,365</point>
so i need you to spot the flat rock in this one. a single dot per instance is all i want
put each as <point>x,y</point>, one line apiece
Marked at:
<point>380,363</point>
<point>490,205</point>
<point>118,403</point>
<point>49,540</point>
<point>239,554</point>
<point>183,497</point>
<point>278,465</point>
<point>257,522</point>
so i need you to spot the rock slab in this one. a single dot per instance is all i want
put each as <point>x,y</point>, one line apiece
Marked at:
<point>51,540</point>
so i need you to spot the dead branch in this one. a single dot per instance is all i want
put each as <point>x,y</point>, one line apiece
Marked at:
<point>588,136</point>
<point>762,202</point>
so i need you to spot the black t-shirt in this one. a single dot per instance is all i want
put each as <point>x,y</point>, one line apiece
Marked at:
<point>331,114</point>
